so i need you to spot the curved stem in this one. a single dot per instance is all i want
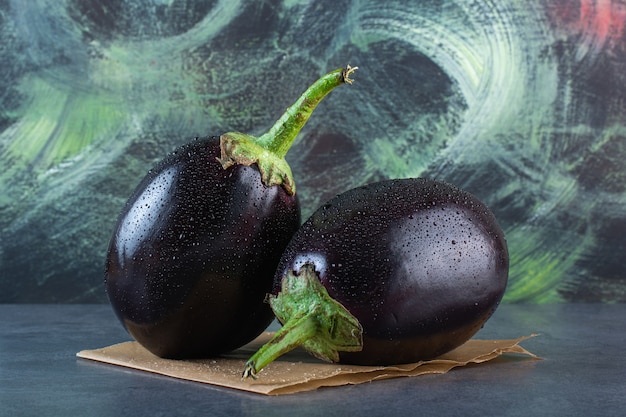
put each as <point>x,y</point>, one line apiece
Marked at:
<point>282,134</point>
<point>312,319</point>
<point>268,150</point>
<point>293,334</point>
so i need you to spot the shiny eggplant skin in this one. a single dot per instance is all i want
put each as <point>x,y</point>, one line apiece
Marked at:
<point>420,264</point>
<point>194,252</point>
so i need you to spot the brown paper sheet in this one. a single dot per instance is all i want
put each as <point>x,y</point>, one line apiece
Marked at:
<point>296,371</point>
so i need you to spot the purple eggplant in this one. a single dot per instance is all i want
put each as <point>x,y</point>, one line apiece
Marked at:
<point>196,247</point>
<point>392,272</point>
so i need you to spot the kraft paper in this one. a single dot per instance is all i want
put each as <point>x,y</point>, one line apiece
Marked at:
<point>296,371</point>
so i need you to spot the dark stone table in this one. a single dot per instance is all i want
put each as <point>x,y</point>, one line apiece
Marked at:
<point>583,372</point>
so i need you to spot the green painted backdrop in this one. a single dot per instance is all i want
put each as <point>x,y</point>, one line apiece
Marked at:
<point>521,102</point>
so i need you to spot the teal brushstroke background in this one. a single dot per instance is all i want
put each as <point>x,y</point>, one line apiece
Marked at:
<point>520,102</point>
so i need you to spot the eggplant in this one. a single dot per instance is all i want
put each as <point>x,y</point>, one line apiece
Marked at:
<point>195,248</point>
<point>393,272</point>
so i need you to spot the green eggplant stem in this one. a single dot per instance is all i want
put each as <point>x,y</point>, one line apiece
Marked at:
<point>311,319</point>
<point>268,150</point>
<point>281,136</point>
<point>287,338</point>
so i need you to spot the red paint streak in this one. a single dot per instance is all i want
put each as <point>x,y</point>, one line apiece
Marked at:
<point>602,19</point>
<point>599,21</point>
<point>597,26</point>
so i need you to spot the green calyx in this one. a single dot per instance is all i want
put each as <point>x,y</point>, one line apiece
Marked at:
<point>241,149</point>
<point>311,319</point>
<point>268,150</point>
